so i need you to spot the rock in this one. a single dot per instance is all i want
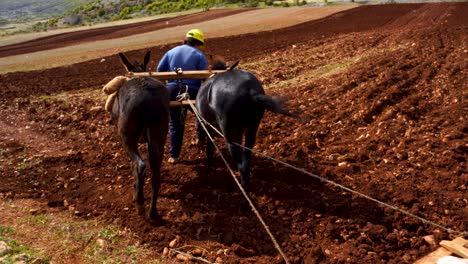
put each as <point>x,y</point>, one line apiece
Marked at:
<point>96,108</point>
<point>182,257</point>
<point>21,259</point>
<point>197,252</point>
<point>173,243</point>
<point>4,248</point>
<point>430,239</point>
<point>37,261</point>
<point>101,243</point>
<point>78,213</point>
<point>242,251</point>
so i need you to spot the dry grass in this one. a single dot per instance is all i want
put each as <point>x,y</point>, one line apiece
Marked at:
<point>60,237</point>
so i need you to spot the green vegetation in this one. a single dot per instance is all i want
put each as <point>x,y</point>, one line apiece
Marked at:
<point>59,236</point>
<point>109,233</point>
<point>18,251</point>
<point>44,15</point>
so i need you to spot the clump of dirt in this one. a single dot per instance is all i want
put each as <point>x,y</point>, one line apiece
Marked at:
<point>383,106</point>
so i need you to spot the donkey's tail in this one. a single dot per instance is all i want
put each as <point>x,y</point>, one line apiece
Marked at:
<point>274,104</point>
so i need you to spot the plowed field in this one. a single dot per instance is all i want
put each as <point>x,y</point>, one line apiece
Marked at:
<point>383,94</point>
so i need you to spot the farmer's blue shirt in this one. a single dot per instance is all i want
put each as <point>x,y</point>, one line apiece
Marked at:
<point>185,57</point>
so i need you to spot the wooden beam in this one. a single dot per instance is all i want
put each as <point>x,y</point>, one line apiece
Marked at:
<point>173,104</point>
<point>164,76</point>
<point>456,246</point>
<point>434,256</point>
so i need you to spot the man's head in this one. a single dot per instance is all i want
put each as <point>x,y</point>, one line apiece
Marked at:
<point>195,38</point>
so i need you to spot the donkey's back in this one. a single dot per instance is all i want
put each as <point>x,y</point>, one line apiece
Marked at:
<point>144,103</point>
<point>232,97</point>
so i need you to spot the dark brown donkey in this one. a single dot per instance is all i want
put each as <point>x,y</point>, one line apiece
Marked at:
<point>141,109</point>
<point>235,101</point>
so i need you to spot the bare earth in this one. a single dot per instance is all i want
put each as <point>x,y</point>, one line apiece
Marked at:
<point>383,93</point>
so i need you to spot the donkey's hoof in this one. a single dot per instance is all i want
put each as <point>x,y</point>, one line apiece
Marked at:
<point>140,209</point>
<point>155,220</point>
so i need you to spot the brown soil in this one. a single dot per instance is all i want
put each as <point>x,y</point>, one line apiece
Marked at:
<point>382,90</point>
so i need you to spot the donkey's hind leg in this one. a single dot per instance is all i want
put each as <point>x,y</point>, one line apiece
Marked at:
<point>209,156</point>
<point>250,138</point>
<point>139,170</point>
<point>155,157</point>
<point>234,135</point>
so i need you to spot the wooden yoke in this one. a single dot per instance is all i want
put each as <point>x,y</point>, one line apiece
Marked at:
<point>179,74</point>
<point>165,76</point>
<point>186,103</point>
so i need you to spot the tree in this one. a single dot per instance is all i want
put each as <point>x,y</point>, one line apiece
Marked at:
<point>125,12</point>
<point>101,12</point>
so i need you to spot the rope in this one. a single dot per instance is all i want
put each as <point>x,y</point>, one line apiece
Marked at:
<point>448,230</point>
<point>277,246</point>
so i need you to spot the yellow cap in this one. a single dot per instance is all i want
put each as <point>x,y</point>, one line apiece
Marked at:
<point>196,34</point>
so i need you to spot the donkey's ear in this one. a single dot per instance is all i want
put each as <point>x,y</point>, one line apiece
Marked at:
<point>147,59</point>
<point>125,62</point>
<point>232,66</point>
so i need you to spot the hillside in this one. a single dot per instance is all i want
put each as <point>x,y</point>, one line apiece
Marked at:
<point>12,11</point>
<point>43,15</point>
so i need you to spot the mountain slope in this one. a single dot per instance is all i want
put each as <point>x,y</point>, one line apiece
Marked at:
<point>19,10</point>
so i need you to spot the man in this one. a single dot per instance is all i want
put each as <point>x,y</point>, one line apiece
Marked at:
<point>188,57</point>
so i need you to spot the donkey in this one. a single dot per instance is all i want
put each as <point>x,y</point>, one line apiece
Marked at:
<point>235,102</point>
<point>141,110</point>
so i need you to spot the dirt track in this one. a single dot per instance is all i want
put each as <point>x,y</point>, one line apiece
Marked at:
<point>384,92</point>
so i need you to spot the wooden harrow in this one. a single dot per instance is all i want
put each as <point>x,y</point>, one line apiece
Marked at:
<point>448,247</point>
<point>179,74</point>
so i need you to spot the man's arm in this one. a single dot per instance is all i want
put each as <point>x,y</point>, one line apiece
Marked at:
<point>202,63</point>
<point>163,65</point>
